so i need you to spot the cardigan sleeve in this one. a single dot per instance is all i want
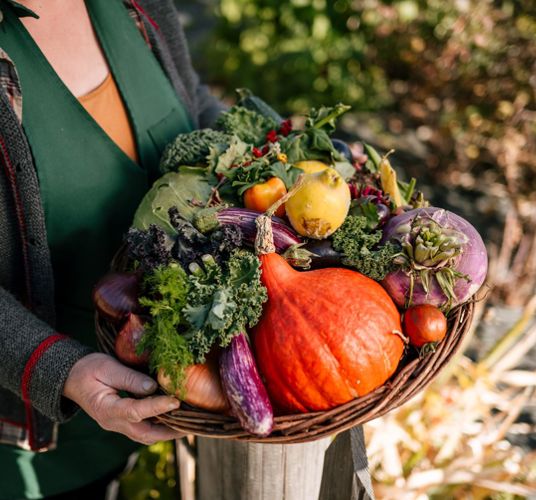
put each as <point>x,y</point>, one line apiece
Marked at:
<point>36,360</point>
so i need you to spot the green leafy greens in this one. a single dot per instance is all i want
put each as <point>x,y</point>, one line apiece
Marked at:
<point>189,189</point>
<point>191,149</point>
<point>223,301</point>
<point>248,125</point>
<point>166,296</point>
<point>192,313</point>
<point>361,249</point>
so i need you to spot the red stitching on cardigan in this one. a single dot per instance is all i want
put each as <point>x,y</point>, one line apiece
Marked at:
<point>12,178</point>
<point>26,377</point>
<point>140,9</point>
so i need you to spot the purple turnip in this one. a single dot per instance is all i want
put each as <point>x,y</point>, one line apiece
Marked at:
<point>443,258</point>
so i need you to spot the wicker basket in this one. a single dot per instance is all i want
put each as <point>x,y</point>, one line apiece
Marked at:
<point>412,376</point>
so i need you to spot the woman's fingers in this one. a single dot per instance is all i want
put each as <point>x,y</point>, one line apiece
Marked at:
<point>136,410</point>
<point>148,433</point>
<point>123,378</point>
<point>96,372</point>
<point>94,382</point>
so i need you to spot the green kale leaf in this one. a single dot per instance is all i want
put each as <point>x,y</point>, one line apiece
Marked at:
<point>361,248</point>
<point>248,125</point>
<point>223,301</point>
<point>191,149</point>
<point>224,162</point>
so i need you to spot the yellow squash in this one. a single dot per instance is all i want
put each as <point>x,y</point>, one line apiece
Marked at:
<point>320,206</point>
<point>311,166</point>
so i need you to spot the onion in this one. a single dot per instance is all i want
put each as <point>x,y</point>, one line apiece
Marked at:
<point>116,295</point>
<point>201,387</point>
<point>444,260</point>
<point>127,341</point>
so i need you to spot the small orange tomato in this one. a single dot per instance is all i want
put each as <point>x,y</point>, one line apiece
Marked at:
<point>424,324</point>
<point>262,196</point>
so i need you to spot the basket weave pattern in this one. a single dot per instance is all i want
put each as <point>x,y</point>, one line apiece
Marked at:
<point>412,376</point>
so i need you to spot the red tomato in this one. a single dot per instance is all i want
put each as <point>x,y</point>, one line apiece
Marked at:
<point>262,196</point>
<point>424,324</point>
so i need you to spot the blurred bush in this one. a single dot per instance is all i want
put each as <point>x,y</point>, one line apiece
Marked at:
<point>153,476</point>
<point>461,74</point>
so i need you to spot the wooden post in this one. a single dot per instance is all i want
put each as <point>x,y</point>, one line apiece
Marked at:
<point>234,470</point>
<point>346,475</point>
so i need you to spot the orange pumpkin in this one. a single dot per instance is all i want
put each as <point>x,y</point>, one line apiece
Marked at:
<point>325,337</point>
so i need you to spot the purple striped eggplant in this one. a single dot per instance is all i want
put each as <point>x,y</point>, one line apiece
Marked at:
<point>244,389</point>
<point>244,218</point>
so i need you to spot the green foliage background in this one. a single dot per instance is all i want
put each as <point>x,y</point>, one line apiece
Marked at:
<point>458,73</point>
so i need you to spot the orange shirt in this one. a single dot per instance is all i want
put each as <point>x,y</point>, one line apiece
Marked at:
<point>106,107</point>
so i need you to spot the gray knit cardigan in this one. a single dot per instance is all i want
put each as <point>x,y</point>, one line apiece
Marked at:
<point>34,360</point>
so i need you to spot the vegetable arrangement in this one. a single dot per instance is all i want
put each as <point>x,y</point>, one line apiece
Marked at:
<point>271,273</point>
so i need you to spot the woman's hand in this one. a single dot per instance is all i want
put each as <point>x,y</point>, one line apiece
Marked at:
<point>94,382</point>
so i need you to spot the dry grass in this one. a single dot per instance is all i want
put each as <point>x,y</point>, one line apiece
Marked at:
<point>451,442</point>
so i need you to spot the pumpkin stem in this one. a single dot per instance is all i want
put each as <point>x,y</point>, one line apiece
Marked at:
<point>401,335</point>
<point>264,241</point>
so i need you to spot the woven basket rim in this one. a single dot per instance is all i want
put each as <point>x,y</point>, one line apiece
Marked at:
<point>411,377</point>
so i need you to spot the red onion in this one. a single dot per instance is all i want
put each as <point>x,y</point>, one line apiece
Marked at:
<point>116,295</point>
<point>127,341</point>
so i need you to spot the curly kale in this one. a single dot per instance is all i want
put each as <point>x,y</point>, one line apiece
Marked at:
<point>192,313</point>
<point>361,248</point>
<point>246,124</point>
<point>190,244</point>
<point>192,148</point>
<point>151,248</point>
<point>224,241</point>
<point>223,301</point>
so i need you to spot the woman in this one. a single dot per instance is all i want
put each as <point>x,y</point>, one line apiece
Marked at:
<point>90,92</point>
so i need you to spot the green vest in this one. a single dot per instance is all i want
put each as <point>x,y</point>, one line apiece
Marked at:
<point>90,189</point>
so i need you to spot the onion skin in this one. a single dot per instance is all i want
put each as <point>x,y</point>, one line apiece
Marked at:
<point>244,389</point>
<point>127,341</point>
<point>116,295</point>
<point>201,388</point>
<point>472,261</point>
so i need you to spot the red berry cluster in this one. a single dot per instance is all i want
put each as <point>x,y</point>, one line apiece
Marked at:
<point>374,192</point>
